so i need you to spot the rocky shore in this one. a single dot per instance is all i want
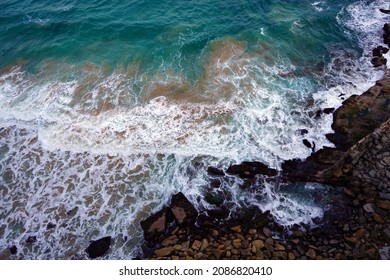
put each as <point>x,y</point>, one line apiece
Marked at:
<point>356,227</point>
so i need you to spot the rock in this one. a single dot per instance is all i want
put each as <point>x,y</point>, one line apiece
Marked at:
<point>236,243</point>
<point>306,143</point>
<point>31,239</point>
<point>50,225</point>
<point>385,11</point>
<point>384,204</point>
<point>378,219</point>
<point>291,256</point>
<point>385,253</point>
<point>279,247</point>
<point>215,171</point>
<point>348,192</point>
<point>385,196</point>
<point>328,110</point>
<point>236,228</point>
<point>98,248</point>
<point>219,213</point>
<point>378,61</point>
<point>156,223</point>
<point>182,209</point>
<point>250,169</point>
<point>302,132</point>
<point>163,252</point>
<point>369,208</point>
<point>359,234</point>
<point>177,247</point>
<point>378,51</point>
<point>258,244</point>
<point>196,245</point>
<point>215,184</point>
<point>171,240</point>
<point>311,254</point>
<point>205,245</point>
<point>386,234</point>
<point>267,232</point>
<point>214,199</point>
<point>217,253</point>
<point>72,212</point>
<point>13,250</point>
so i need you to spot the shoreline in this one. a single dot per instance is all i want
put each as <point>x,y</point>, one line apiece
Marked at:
<point>356,227</point>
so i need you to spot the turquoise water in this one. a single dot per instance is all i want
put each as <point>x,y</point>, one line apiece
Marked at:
<point>110,107</point>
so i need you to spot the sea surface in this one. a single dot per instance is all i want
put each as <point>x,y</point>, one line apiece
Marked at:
<point>107,108</point>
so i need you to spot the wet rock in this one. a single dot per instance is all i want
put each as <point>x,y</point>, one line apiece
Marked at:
<point>385,11</point>
<point>215,184</point>
<point>250,169</point>
<point>156,224</point>
<point>378,61</point>
<point>378,51</point>
<point>385,253</point>
<point>214,199</point>
<point>302,132</point>
<point>306,143</point>
<point>215,171</point>
<point>182,209</point>
<point>98,248</point>
<point>328,110</point>
<point>31,239</point>
<point>73,212</point>
<point>50,225</point>
<point>219,213</point>
<point>13,250</point>
<point>236,228</point>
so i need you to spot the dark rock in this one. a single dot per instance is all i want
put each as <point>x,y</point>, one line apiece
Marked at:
<point>386,28</point>
<point>386,234</point>
<point>302,132</point>
<point>250,169</point>
<point>219,213</point>
<point>98,248</point>
<point>215,171</point>
<point>378,51</point>
<point>13,250</point>
<point>182,209</point>
<point>378,61</point>
<point>156,223</point>
<point>31,239</point>
<point>328,110</point>
<point>385,11</point>
<point>73,212</point>
<point>214,199</point>
<point>254,217</point>
<point>307,143</point>
<point>50,225</point>
<point>215,184</point>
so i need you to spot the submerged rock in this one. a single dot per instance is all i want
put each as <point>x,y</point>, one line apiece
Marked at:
<point>250,169</point>
<point>98,248</point>
<point>31,239</point>
<point>182,209</point>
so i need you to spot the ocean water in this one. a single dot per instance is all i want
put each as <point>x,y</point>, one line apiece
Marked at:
<point>107,108</point>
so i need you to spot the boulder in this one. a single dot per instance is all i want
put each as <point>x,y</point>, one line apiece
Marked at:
<point>156,224</point>
<point>31,239</point>
<point>215,171</point>
<point>378,61</point>
<point>249,169</point>
<point>385,11</point>
<point>13,250</point>
<point>98,248</point>
<point>182,209</point>
<point>378,51</point>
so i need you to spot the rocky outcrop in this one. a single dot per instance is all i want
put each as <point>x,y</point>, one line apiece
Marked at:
<point>156,224</point>
<point>182,209</point>
<point>98,248</point>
